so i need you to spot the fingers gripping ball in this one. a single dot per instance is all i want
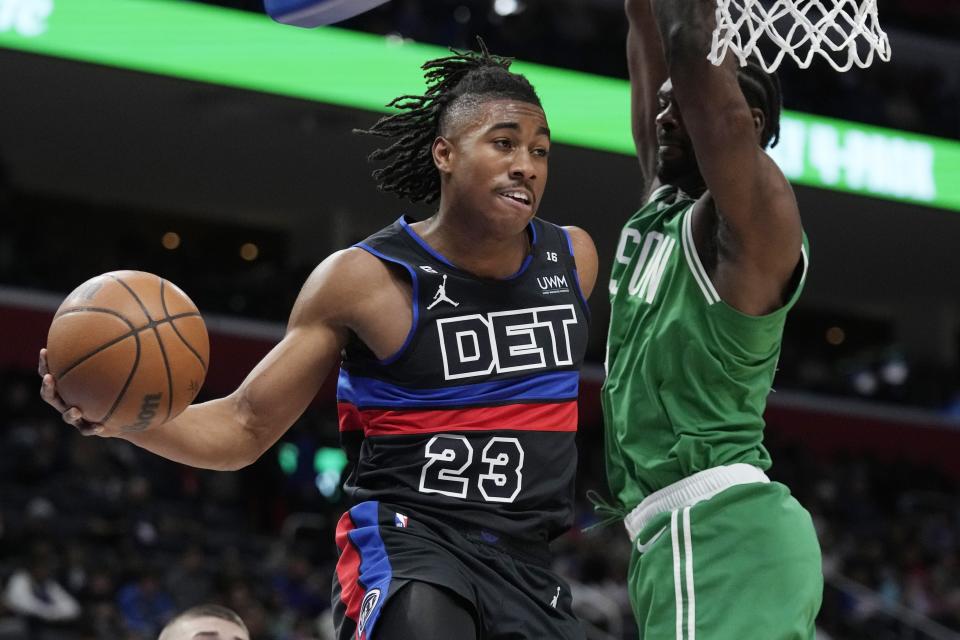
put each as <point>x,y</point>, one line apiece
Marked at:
<point>129,349</point>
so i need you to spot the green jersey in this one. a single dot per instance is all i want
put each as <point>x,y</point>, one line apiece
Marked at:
<point>687,375</point>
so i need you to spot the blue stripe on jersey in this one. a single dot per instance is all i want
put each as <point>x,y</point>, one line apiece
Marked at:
<point>413,234</point>
<point>370,392</point>
<point>375,569</point>
<point>416,296</point>
<point>529,258</point>
<point>576,272</point>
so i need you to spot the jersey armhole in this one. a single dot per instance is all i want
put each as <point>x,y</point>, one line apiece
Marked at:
<point>709,292</point>
<point>415,301</point>
<point>697,269</point>
<point>576,273</point>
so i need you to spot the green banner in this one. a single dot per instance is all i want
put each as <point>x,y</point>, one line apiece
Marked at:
<point>883,163</point>
<point>335,66</point>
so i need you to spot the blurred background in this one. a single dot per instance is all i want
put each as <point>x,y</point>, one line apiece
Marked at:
<point>202,142</point>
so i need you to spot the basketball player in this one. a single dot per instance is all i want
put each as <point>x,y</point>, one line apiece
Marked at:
<point>461,337</point>
<point>206,622</point>
<point>704,276</point>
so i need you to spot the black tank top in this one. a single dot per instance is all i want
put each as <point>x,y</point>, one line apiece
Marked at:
<point>473,421</point>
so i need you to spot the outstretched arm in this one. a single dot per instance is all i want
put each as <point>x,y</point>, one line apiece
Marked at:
<point>231,432</point>
<point>648,71</point>
<point>758,228</point>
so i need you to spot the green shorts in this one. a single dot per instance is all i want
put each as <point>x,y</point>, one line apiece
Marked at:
<point>742,565</point>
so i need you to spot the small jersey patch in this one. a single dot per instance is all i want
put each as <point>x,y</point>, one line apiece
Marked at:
<point>400,520</point>
<point>367,607</point>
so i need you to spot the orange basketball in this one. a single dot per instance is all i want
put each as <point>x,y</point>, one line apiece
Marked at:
<point>129,349</point>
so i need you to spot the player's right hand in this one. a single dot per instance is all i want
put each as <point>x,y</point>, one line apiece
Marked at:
<point>71,415</point>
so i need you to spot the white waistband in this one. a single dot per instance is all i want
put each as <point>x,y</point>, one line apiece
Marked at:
<point>689,491</point>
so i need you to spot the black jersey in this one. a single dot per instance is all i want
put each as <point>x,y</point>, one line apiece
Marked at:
<point>473,421</point>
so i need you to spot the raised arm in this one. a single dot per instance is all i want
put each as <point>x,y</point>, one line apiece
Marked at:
<point>648,71</point>
<point>758,230</point>
<point>231,432</point>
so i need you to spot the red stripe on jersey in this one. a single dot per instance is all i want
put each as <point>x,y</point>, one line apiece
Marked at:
<point>348,569</point>
<point>554,416</point>
<point>350,418</point>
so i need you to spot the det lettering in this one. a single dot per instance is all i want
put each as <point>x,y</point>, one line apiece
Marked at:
<point>148,410</point>
<point>477,344</point>
<point>26,17</point>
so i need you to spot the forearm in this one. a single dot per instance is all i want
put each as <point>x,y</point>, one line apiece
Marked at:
<point>709,96</point>
<point>646,63</point>
<point>638,11</point>
<point>648,72</point>
<point>686,28</point>
<point>232,432</point>
<point>219,435</point>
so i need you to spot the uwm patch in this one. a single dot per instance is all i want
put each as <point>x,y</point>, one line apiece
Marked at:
<point>503,341</point>
<point>553,284</point>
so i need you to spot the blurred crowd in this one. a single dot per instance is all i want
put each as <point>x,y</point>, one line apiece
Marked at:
<point>889,525</point>
<point>100,540</point>
<point>916,91</point>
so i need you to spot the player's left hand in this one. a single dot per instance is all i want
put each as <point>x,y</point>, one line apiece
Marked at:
<point>71,415</point>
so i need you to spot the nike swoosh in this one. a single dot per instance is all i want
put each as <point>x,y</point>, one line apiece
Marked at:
<point>642,548</point>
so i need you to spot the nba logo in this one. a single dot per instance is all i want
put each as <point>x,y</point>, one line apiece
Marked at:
<point>400,520</point>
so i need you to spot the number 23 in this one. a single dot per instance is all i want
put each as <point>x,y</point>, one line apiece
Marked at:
<point>450,456</point>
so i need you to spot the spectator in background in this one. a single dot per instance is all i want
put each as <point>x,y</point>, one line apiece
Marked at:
<point>34,594</point>
<point>145,606</point>
<point>209,621</point>
<point>188,579</point>
<point>298,589</point>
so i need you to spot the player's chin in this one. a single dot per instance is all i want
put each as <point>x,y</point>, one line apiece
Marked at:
<point>511,210</point>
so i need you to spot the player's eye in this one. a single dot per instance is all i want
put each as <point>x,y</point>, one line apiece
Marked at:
<point>503,143</point>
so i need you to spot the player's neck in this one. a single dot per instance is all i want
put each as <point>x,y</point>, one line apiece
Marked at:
<point>691,185</point>
<point>472,248</point>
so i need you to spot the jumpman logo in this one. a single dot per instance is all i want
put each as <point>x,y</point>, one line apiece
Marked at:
<point>441,295</point>
<point>553,603</point>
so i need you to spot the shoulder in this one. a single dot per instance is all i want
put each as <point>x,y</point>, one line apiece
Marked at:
<point>331,290</point>
<point>581,242</point>
<point>585,256</point>
<point>347,268</point>
<point>575,238</point>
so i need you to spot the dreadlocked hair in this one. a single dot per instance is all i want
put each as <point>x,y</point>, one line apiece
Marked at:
<point>762,91</point>
<point>466,77</point>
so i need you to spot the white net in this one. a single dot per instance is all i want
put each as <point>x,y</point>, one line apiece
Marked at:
<point>845,32</point>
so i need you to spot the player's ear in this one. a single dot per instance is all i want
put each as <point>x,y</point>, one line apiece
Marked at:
<point>442,154</point>
<point>759,121</point>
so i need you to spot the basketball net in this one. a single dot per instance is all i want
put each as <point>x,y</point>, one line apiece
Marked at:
<point>845,32</point>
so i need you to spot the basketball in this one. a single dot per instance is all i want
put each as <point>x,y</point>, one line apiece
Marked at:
<point>129,349</point>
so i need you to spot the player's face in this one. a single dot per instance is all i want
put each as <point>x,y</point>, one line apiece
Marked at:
<point>205,628</point>
<point>499,163</point>
<point>675,157</point>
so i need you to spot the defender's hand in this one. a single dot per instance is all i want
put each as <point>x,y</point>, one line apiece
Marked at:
<point>71,415</point>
